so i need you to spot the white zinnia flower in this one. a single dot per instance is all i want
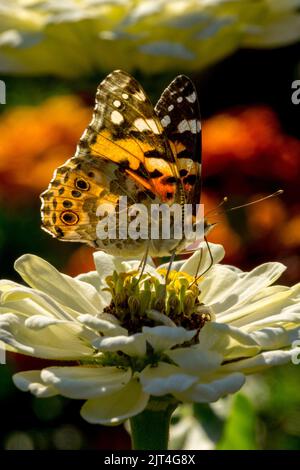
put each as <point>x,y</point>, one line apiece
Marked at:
<point>128,341</point>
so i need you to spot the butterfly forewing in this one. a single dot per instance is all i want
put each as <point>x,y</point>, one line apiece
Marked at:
<point>126,130</point>
<point>179,113</point>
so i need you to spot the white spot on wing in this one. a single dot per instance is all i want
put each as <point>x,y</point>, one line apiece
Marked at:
<point>190,126</point>
<point>125,96</point>
<point>146,125</point>
<point>179,99</point>
<point>116,117</point>
<point>183,126</point>
<point>192,98</point>
<point>165,121</point>
<point>117,103</point>
<point>193,125</point>
<point>171,107</point>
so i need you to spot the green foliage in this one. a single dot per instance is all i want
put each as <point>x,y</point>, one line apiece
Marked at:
<point>281,414</point>
<point>212,424</point>
<point>239,431</point>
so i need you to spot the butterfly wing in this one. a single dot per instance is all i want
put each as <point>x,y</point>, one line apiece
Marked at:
<point>123,152</point>
<point>77,189</point>
<point>179,113</point>
<point>126,130</point>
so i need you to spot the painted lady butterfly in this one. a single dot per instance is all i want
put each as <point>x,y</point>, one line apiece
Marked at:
<point>151,155</point>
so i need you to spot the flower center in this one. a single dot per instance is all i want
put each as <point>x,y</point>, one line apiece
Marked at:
<point>139,301</point>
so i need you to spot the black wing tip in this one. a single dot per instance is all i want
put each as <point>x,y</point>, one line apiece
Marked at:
<point>182,78</point>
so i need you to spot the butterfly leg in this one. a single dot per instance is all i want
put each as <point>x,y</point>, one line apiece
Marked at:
<point>143,263</point>
<point>170,266</point>
<point>167,275</point>
<point>199,262</point>
<point>144,257</point>
<point>197,277</point>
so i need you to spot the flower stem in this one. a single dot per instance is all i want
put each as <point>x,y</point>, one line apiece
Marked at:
<point>150,429</point>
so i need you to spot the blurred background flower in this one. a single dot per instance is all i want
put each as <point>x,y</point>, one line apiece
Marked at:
<point>72,38</point>
<point>243,57</point>
<point>36,139</point>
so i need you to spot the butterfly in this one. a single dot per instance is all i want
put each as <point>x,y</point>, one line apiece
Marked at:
<point>148,154</point>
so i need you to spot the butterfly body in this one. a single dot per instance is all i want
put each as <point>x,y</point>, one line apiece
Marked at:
<point>150,156</point>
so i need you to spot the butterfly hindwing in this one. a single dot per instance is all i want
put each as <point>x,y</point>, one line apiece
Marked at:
<point>77,189</point>
<point>179,113</point>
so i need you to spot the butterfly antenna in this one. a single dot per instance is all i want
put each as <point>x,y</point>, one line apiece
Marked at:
<point>213,211</point>
<point>225,199</point>
<point>277,193</point>
<point>208,268</point>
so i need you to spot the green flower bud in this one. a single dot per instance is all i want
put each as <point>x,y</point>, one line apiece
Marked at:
<point>173,307</point>
<point>159,304</point>
<point>189,303</point>
<point>134,305</point>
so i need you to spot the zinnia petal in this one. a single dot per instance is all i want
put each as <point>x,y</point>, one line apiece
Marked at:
<point>260,362</point>
<point>165,337</point>
<point>200,261</point>
<point>103,325</point>
<point>259,308</point>
<point>61,342</point>
<point>194,360</point>
<point>106,264</point>
<point>164,379</point>
<point>210,392</point>
<point>246,286</point>
<point>134,345</point>
<point>116,407</point>
<point>86,382</point>
<point>30,381</point>
<point>231,342</point>
<point>68,291</point>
